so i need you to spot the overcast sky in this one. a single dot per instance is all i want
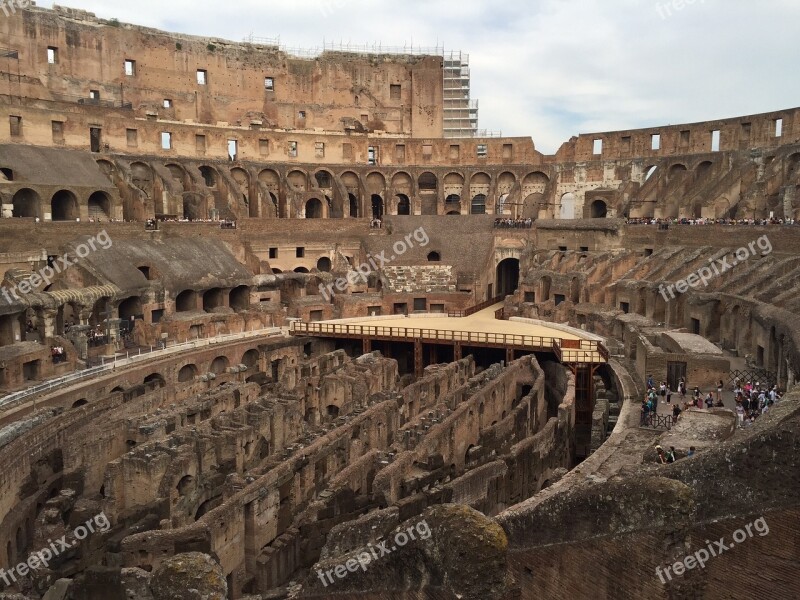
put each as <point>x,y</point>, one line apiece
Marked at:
<point>548,69</point>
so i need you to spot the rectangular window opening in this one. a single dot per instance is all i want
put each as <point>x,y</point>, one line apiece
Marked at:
<point>58,131</point>
<point>132,137</point>
<point>292,149</point>
<point>52,55</point>
<point>319,150</point>
<point>200,144</point>
<point>715,139</point>
<point>597,147</point>
<point>130,68</point>
<point>269,84</point>
<point>202,77</point>
<point>778,127</point>
<point>395,91</point>
<point>167,103</point>
<point>655,141</point>
<point>233,149</point>
<point>95,138</point>
<point>166,140</point>
<point>483,150</point>
<point>263,147</point>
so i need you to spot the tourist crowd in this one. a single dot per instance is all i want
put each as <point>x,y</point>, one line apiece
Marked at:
<point>687,221</point>
<point>751,400</point>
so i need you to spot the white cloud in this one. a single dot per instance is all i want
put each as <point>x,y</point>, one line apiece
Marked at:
<point>544,68</point>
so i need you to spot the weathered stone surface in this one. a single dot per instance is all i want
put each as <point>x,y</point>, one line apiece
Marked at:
<point>190,576</point>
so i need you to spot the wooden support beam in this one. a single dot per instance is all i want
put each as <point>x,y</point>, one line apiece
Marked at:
<point>418,358</point>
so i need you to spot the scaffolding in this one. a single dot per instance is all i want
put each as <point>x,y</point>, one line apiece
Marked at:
<point>460,111</point>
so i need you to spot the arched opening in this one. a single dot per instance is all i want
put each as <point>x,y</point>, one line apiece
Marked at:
<point>676,169</point>
<point>452,204</point>
<point>99,206</point>
<point>130,309</point>
<point>332,411</point>
<point>187,373</point>
<point>599,209</point>
<point>219,365</point>
<point>353,206</point>
<point>324,180</point>
<point>209,176</point>
<point>324,265</point>
<point>185,485</point>
<point>567,210</point>
<point>239,298</point>
<point>434,257</point>
<point>64,206</point>
<point>427,182</point>
<point>403,205</point>
<point>213,299</point>
<point>478,205</point>
<point>377,206</point>
<point>186,301</point>
<point>313,209</point>
<point>26,203</point>
<point>250,359</point>
<point>650,171</point>
<point>79,403</point>
<point>6,174</point>
<point>156,379</point>
<point>297,181</point>
<point>507,277</point>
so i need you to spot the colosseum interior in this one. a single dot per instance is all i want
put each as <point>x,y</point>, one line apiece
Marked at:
<point>271,328</point>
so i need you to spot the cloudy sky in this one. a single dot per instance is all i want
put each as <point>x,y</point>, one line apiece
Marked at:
<point>548,69</point>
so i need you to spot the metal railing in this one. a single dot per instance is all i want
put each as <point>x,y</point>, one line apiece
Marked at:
<point>129,359</point>
<point>654,421</point>
<point>475,309</point>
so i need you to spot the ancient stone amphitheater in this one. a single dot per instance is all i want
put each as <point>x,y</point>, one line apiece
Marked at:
<point>284,327</point>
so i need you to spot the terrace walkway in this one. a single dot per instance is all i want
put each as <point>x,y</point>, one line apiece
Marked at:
<point>482,329</point>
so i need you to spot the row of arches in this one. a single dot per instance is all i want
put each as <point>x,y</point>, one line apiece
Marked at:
<point>63,205</point>
<point>238,299</point>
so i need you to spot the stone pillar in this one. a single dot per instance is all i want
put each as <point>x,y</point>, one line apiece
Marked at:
<point>78,335</point>
<point>47,323</point>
